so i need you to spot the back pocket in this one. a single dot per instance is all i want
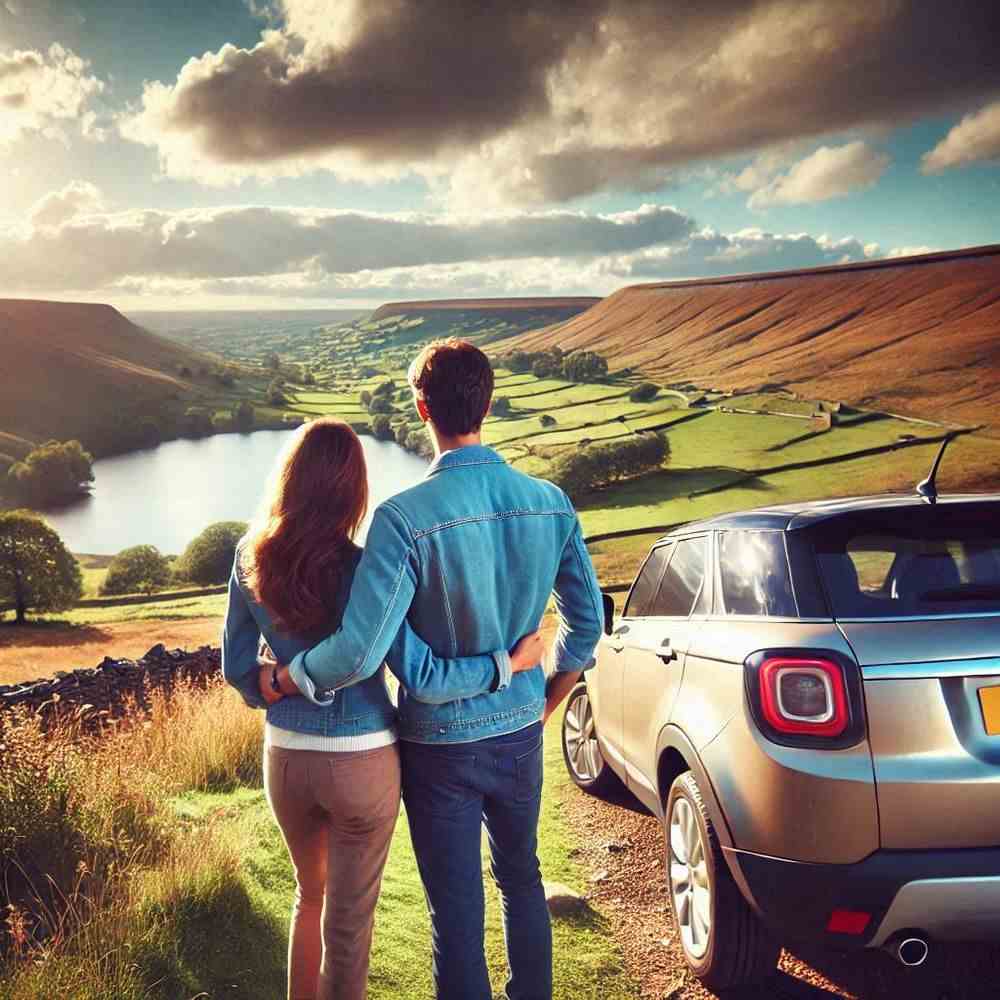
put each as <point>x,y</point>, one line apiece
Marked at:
<point>529,771</point>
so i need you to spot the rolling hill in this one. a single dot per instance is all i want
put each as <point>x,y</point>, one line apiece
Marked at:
<point>73,370</point>
<point>919,335</point>
<point>570,305</point>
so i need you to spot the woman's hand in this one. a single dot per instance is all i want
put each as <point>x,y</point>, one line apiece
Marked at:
<point>528,652</point>
<point>267,692</point>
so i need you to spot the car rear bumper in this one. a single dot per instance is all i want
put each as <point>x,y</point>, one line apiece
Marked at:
<point>947,895</point>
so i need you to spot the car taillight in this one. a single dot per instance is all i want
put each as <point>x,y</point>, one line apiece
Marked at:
<point>804,696</point>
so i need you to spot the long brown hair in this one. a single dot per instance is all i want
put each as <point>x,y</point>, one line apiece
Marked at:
<point>295,553</point>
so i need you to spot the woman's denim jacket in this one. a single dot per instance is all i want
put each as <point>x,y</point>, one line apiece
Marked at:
<point>469,557</point>
<point>357,710</point>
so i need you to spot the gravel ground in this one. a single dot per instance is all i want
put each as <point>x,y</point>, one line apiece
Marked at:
<point>621,846</point>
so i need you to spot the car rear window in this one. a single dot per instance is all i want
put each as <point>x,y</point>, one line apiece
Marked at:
<point>682,580</point>
<point>912,561</point>
<point>753,566</point>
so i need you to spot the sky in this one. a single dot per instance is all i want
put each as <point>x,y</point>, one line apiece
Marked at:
<point>232,154</point>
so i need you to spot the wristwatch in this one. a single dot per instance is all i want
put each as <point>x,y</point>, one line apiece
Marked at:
<point>275,686</point>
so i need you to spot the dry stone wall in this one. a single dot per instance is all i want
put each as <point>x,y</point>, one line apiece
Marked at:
<point>114,687</point>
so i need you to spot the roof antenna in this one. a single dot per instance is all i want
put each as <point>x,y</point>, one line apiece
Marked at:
<point>927,488</point>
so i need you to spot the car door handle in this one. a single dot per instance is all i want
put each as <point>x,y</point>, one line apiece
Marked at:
<point>619,645</point>
<point>666,652</point>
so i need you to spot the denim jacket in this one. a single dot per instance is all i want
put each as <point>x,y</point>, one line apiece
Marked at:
<point>469,557</point>
<point>358,710</point>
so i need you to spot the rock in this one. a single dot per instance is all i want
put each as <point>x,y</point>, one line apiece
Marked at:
<point>155,652</point>
<point>564,901</point>
<point>601,876</point>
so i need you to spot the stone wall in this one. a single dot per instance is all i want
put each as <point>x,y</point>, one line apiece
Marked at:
<point>109,690</point>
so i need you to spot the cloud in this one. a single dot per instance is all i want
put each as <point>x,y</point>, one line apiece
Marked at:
<point>826,173</point>
<point>543,101</point>
<point>911,251</point>
<point>282,254</point>
<point>75,199</point>
<point>42,92</point>
<point>97,250</point>
<point>975,139</point>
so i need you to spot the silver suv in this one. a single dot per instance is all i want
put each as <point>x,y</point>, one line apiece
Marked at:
<point>809,698</point>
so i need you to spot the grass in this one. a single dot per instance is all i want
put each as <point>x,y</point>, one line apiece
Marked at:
<point>190,607</point>
<point>174,881</point>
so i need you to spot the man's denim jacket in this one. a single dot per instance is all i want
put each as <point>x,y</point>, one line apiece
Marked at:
<point>469,557</point>
<point>358,710</point>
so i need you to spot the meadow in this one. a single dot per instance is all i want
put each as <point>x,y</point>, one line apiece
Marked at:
<point>166,877</point>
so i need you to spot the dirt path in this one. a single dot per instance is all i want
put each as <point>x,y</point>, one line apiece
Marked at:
<point>30,652</point>
<point>621,846</point>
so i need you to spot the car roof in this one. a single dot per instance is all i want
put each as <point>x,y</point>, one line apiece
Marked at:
<point>793,516</point>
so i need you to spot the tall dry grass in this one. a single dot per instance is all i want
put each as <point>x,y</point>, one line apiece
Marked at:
<point>93,859</point>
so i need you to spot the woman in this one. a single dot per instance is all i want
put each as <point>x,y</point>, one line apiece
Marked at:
<point>331,772</point>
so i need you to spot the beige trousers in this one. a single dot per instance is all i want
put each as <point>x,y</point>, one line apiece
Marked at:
<point>337,813</point>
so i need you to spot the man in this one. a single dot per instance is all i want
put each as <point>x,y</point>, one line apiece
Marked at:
<point>470,556</point>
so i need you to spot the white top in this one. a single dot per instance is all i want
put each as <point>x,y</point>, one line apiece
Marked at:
<point>288,740</point>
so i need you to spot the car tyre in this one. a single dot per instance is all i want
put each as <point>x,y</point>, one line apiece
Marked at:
<point>581,752</point>
<point>724,942</point>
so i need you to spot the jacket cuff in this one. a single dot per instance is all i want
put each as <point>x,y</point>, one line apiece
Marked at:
<point>570,664</point>
<point>304,683</point>
<point>504,673</point>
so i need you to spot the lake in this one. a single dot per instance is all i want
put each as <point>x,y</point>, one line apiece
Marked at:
<point>164,496</point>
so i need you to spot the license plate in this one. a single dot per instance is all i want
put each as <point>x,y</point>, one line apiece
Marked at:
<point>989,699</point>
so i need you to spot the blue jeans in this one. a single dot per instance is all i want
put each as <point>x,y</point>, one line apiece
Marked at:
<point>450,790</point>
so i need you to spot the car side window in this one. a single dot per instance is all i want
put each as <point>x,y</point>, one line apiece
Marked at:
<point>682,580</point>
<point>753,566</point>
<point>646,583</point>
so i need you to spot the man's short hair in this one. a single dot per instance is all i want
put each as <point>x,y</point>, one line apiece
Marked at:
<point>455,380</point>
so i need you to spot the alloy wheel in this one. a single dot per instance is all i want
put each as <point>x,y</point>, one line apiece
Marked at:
<point>582,750</point>
<point>690,885</point>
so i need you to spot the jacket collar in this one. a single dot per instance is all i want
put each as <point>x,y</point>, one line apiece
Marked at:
<point>473,454</point>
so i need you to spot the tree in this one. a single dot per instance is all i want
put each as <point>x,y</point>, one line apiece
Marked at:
<point>366,398</point>
<point>37,571</point>
<point>273,361</point>
<point>384,388</point>
<point>52,473</point>
<point>382,428</point>
<point>547,420</point>
<point>243,416</point>
<point>197,422</point>
<point>380,404</point>
<point>308,378</point>
<point>519,361</point>
<point>594,466</point>
<point>584,366</point>
<point>500,407</point>
<point>209,558</point>
<point>140,569</point>
<point>548,364</point>
<point>276,393</point>
<point>402,435</point>
<point>644,392</point>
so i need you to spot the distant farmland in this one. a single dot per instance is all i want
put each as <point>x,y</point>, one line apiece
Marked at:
<point>919,336</point>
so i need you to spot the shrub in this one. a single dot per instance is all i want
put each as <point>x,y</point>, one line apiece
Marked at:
<point>500,407</point>
<point>382,428</point>
<point>548,364</point>
<point>519,361</point>
<point>52,473</point>
<point>140,569</point>
<point>384,388</point>
<point>596,465</point>
<point>547,420</point>
<point>380,404</point>
<point>308,379</point>
<point>366,398</point>
<point>402,435</point>
<point>37,571</point>
<point>197,422</point>
<point>209,558</point>
<point>644,392</point>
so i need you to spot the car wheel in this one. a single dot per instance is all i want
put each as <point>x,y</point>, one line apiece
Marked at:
<point>724,942</point>
<point>584,760</point>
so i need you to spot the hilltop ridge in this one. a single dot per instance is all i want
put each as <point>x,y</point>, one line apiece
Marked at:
<point>917,335</point>
<point>572,302</point>
<point>81,370</point>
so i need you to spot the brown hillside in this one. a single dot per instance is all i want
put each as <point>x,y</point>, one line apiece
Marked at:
<point>491,305</point>
<point>76,370</point>
<point>917,335</point>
